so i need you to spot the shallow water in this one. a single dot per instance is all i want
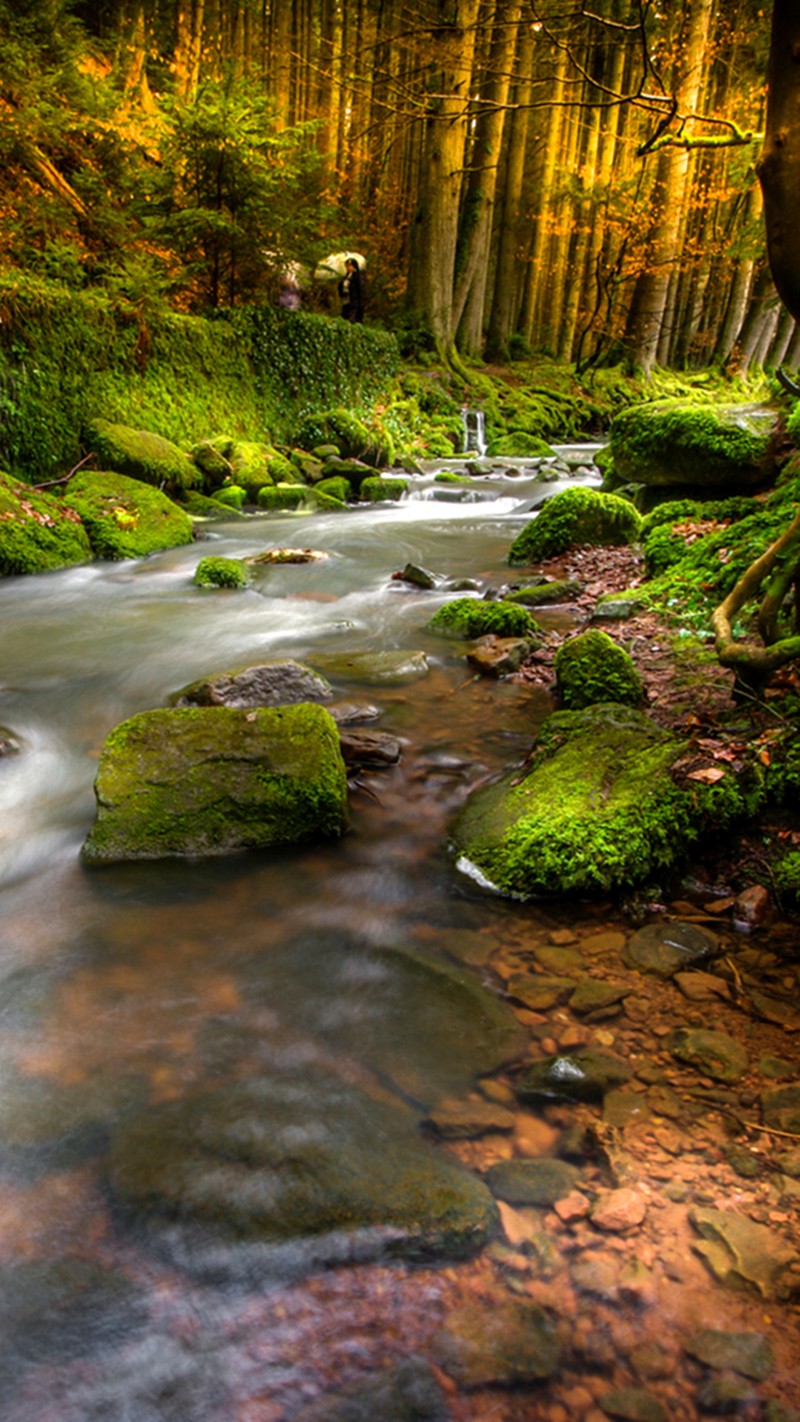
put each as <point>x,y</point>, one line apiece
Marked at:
<point>134,985</point>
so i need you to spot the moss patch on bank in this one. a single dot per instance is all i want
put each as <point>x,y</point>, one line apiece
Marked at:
<point>37,532</point>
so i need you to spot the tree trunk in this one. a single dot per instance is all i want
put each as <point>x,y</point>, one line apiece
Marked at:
<point>671,177</point>
<point>503,303</point>
<point>779,166</point>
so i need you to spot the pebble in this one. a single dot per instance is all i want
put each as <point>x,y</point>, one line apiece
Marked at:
<point>620,1210</point>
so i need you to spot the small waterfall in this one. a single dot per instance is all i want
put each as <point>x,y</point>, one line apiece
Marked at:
<point>474,437</point>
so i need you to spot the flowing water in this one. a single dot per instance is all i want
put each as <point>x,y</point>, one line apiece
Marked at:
<point>133,985</point>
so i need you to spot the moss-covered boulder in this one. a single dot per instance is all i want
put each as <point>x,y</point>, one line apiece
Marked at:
<point>123,517</point>
<point>574,517</point>
<point>142,455</point>
<point>518,444</point>
<point>285,496</point>
<point>209,781</point>
<point>221,573</point>
<point>597,810</point>
<point>592,667</point>
<point>37,532</point>
<point>210,458</point>
<point>335,487</point>
<point>376,490</point>
<point>310,1169</point>
<point>545,594</point>
<point>471,617</point>
<point>679,442</point>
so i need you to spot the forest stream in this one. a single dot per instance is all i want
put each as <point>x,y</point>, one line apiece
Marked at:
<point>126,988</point>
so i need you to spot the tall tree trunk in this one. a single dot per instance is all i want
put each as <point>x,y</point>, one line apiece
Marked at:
<point>503,303</point>
<point>473,257</point>
<point>779,167</point>
<point>431,284</point>
<point>535,276</point>
<point>673,167</point>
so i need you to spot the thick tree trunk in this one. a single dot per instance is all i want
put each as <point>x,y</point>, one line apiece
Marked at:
<point>668,196</point>
<point>503,303</point>
<point>779,167</point>
<point>432,278</point>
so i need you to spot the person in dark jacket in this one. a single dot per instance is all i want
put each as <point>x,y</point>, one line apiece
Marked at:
<point>351,291</point>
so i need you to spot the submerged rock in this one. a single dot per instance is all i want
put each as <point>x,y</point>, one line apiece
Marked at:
<point>746,1255</point>
<point>712,1053</point>
<point>747,1353</point>
<point>532,1182</point>
<point>208,781</point>
<point>388,668</point>
<point>583,1075</point>
<point>505,1343</point>
<point>302,1164</point>
<point>664,949</point>
<point>407,1392</point>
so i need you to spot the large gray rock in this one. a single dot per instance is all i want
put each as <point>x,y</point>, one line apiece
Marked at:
<point>271,684</point>
<point>209,781</point>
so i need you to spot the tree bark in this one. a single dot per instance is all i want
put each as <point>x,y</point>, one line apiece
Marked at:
<point>779,166</point>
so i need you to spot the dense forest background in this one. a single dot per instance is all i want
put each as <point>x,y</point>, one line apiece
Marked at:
<point>576,180</point>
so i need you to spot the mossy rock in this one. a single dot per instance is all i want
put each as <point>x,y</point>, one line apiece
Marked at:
<point>209,781</point>
<point>470,617</point>
<point>518,444</point>
<point>213,464</point>
<point>201,506</point>
<point>572,518</point>
<point>591,668</point>
<point>141,455</point>
<point>282,470</point>
<point>671,442</point>
<point>544,594</point>
<point>446,476</point>
<point>375,490</point>
<point>221,573</point>
<point>597,811</point>
<point>123,517</point>
<point>284,496</point>
<point>37,532</point>
<point>335,487</point>
<point>303,1165</point>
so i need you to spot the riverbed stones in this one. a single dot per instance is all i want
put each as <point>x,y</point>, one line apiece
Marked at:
<point>597,809</point>
<point>209,781</point>
<point>509,1344</point>
<point>745,1255</point>
<point>369,750</point>
<point>633,1404</point>
<point>714,1054</point>
<point>781,1109</point>
<point>269,684</point>
<point>663,949</point>
<point>307,1167</point>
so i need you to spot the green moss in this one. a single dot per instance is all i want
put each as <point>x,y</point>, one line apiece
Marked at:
<point>199,506</point>
<point>574,517</point>
<point>231,496</point>
<point>335,487</point>
<point>284,496</point>
<point>38,532</point>
<point>205,781</point>
<point>375,490</point>
<point>446,476</point>
<point>699,510</point>
<point>542,594</point>
<point>210,457</point>
<point>142,455</point>
<point>682,442</point>
<point>125,518</point>
<point>597,811</point>
<point>591,668</point>
<point>221,573</point>
<point>787,878</point>
<point>282,470</point>
<point>518,444</point>
<point>469,617</point>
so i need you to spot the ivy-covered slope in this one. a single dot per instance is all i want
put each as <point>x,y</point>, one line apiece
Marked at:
<point>68,358</point>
